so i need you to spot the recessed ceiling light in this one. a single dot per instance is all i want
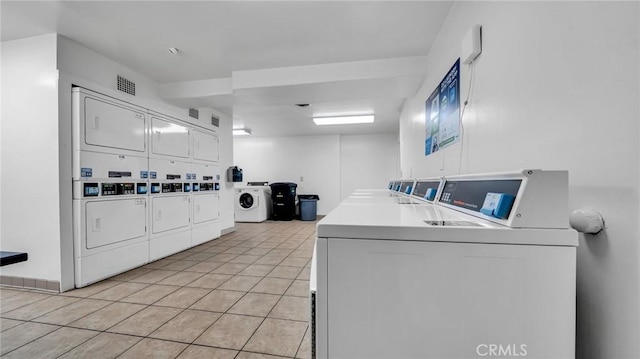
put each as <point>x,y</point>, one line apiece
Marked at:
<point>343,120</point>
<point>174,51</point>
<point>241,131</point>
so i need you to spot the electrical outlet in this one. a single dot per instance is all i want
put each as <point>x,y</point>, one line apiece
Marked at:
<point>301,179</point>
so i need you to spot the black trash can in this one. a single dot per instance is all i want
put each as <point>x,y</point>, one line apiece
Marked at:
<point>308,206</point>
<point>283,195</point>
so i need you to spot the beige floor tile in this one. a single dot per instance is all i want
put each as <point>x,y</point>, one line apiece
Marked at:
<point>154,276</point>
<point>277,337</point>
<point>200,352</point>
<point>299,288</point>
<point>90,290</point>
<point>240,283</point>
<point>119,291</point>
<point>282,271</point>
<point>248,355</point>
<point>245,259</point>
<point>230,331</point>
<point>108,316</point>
<point>102,346</point>
<point>236,250</point>
<point>145,321</point>
<point>305,274</point>
<point>154,349</point>
<point>6,324</point>
<point>199,257</point>
<point>270,260</point>
<point>186,326</point>
<point>204,267</point>
<point>8,292</point>
<point>223,257</point>
<point>256,304</point>
<point>20,300</point>
<point>258,270</point>
<point>230,268</point>
<point>291,308</point>
<point>159,263</point>
<point>53,344</point>
<point>181,278</point>
<point>180,265</point>
<point>72,312</point>
<point>216,250</point>
<point>23,334</point>
<point>272,286</point>
<point>180,255</point>
<point>210,280</point>
<point>150,294</point>
<point>280,252</point>
<point>258,251</point>
<point>127,276</point>
<point>304,352</point>
<point>183,297</point>
<point>295,261</point>
<point>218,301</point>
<point>302,253</point>
<point>40,307</point>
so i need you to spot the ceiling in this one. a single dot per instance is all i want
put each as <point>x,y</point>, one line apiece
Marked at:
<point>255,60</point>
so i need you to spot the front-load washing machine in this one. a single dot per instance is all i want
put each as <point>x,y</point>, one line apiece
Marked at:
<point>252,203</point>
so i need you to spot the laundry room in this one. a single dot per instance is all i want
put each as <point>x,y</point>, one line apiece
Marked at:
<point>231,178</point>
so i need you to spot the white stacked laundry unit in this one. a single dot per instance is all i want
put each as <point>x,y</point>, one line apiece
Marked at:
<point>145,185</point>
<point>205,174</point>
<point>110,203</point>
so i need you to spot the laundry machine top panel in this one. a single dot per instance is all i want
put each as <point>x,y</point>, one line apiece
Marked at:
<point>426,222</point>
<point>107,125</point>
<point>169,138</point>
<point>518,207</point>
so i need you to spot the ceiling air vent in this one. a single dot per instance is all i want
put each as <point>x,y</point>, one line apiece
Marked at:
<point>126,86</point>
<point>194,113</point>
<point>215,121</point>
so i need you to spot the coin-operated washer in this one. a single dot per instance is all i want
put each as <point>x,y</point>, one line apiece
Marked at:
<point>491,265</point>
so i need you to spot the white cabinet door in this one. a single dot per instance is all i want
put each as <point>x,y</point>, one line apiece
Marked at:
<point>205,146</point>
<point>205,207</point>
<point>108,222</point>
<point>169,138</point>
<point>112,126</point>
<point>171,212</point>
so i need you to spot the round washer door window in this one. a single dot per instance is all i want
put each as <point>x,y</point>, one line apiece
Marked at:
<point>246,200</point>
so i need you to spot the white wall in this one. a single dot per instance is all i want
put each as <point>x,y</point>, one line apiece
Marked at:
<point>368,161</point>
<point>556,87</point>
<point>30,212</point>
<point>320,165</point>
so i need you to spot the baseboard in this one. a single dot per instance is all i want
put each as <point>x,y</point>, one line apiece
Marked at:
<point>30,283</point>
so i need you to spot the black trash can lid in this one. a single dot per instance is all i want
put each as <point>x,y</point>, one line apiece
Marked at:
<point>309,196</point>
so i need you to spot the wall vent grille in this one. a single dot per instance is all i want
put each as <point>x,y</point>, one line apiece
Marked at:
<point>126,86</point>
<point>215,121</point>
<point>194,113</point>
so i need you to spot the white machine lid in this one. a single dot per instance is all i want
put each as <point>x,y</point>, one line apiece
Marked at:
<point>374,219</point>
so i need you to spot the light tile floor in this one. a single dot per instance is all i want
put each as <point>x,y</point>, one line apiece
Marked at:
<point>243,296</point>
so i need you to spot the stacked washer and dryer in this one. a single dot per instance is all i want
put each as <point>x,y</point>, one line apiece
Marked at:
<point>145,185</point>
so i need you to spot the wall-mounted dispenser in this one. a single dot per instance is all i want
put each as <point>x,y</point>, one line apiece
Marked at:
<point>234,174</point>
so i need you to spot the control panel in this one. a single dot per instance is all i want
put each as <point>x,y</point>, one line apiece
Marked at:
<point>426,190</point>
<point>96,189</point>
<point>406,187</point>
<point>493,198</point>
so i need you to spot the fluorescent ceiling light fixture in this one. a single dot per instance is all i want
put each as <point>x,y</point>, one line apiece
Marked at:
<point>343,120</point>
<point>241,131</point>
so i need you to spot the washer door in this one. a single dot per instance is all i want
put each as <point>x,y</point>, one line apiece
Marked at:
<point>247,201</point>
